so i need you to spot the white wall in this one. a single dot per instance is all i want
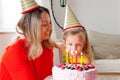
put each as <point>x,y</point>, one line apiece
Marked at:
<point>98,15</point>
<point>0,16</point>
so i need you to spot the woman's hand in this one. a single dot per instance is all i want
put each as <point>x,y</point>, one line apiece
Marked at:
<point>60,46</point>
<point>49,78</point>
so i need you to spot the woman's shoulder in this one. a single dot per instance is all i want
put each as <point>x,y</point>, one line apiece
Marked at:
<point>14,51</point>
<point>17,43</point>
<point>15,47</point>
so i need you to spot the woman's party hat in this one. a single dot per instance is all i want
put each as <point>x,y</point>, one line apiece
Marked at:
<point>70,19</point>
<point>28,5</point>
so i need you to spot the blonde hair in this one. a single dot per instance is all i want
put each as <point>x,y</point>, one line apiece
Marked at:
<point>81,31</point>
<point>29,26</point>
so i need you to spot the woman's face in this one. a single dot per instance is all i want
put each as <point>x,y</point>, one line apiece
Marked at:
<point>74,43</point>
<point>46,26</point>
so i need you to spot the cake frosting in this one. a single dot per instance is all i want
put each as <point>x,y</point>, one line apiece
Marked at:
<point>74,72</point>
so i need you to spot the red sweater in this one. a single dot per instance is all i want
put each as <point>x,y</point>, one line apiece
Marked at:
<point>15,64</point>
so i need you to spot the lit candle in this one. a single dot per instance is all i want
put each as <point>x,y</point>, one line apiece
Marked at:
<point>72,57</point>
<point>81,58</point>
<point>67,57</point>
<point>76,56</point>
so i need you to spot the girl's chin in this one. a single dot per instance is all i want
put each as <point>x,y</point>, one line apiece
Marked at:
<point>74,56</point>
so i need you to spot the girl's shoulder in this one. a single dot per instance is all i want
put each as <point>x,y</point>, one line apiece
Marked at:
<point>86,59</point>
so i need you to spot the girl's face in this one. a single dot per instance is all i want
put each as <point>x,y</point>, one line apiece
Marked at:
<point>46,26</point>
<point>74,43</point>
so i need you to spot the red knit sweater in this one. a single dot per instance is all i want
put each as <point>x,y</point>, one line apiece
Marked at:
<point>15,64</point>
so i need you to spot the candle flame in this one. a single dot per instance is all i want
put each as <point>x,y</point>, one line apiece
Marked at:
<point>75,51</point>
<point>67,51</point>
<point>71,51</point>
<point>81,53</point>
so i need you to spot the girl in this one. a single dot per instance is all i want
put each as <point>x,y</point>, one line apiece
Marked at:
<point>77,44</point>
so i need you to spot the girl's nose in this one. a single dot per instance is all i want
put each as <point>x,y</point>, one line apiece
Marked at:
<point>74,52</point>
<point>74,47</point>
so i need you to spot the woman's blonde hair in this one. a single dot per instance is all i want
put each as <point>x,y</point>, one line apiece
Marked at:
<point>81,31</point>
<point>29,26</point>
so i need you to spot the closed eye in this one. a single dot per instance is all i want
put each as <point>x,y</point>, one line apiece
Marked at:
<point>79,44</point>
<point>46,23</point>
<point>70,44</point>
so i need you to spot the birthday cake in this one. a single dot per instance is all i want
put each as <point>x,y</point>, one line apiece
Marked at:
<point>74,72</point>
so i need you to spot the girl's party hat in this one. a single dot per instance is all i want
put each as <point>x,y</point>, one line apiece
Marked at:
<point>70,19</point>
<point>28,5</point>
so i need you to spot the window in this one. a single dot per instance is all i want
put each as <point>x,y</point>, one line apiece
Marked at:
<point>10,13</point>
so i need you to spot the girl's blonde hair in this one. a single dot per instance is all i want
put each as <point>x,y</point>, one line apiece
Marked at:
<point>30,26</point>
<point>81,31</point>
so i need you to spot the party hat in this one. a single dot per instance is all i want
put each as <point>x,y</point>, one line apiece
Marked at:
<point>28,5</point>
<point>70,19</point>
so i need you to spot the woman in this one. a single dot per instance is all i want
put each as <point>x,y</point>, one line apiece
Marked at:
<point>30,57</point>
